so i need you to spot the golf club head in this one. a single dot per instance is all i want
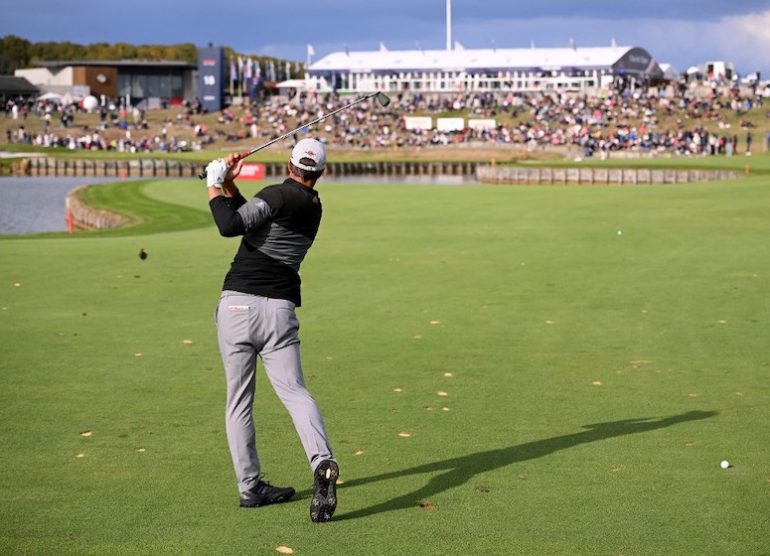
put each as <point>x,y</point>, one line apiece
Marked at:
<point>383,99</point>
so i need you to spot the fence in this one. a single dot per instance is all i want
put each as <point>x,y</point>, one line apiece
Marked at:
<point>575,176</point>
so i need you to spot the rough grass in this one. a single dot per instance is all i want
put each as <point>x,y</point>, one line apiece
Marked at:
<point>593,380</point>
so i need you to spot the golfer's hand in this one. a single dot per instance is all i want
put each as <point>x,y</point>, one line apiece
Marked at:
<point>216,172</point>
<point>234,163</point>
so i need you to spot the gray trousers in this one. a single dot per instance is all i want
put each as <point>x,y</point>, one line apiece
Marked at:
<point>249,326</point>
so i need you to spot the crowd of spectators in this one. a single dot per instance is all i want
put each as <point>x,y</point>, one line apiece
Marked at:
<point>676,121</point>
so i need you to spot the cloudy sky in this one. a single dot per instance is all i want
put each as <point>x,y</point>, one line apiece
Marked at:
<point>680,32</point>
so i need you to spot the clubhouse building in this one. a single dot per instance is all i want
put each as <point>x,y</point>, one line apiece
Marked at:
<point>482,70</point>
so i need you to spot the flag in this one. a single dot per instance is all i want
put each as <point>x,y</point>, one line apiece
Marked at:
<point>458,46</point>
<point>310,50</point>
<point>383,48</point>
<point>247,69</point>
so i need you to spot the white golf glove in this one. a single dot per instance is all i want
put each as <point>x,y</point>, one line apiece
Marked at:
<point>215,173</point>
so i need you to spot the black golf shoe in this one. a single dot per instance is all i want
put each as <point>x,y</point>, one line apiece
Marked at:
<point>324,500</point>
<point>262,494</point>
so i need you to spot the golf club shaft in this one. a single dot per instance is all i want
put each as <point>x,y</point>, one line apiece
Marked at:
<point>245,154</point>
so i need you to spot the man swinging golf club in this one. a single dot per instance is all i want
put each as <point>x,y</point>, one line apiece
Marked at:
<point>255,317</point>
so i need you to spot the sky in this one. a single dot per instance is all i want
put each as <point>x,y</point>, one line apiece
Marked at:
<point>680,32</point>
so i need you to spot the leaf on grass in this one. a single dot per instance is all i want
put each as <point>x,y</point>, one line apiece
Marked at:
<point>418,337</point>
<point>482,488</point>
<point>442,393</point>
<point>80,455</point>
<point>86,433</point>
<point>405,434</point>
<point>427,506</point>
<point>140,450</point>
<point>692,395</point>
<point>187,341</point>
<point>138,354</point>
<point>549,322</point>
<point>358,453</point>
<point>448,375</point>
<point>17,284</point>
<point>435,322</point>
<point>397,390</point>
<point>284,549</point>
<point>597,383</point>
<point>445,409</point>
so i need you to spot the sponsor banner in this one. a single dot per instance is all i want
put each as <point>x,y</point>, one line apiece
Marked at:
<point>211,77</point>
<point>450,124</point>
<point>418,122</point>
<point>482,123</point>
<point>252,171</point>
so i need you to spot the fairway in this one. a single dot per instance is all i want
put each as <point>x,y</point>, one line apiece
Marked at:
<point>502,370</point>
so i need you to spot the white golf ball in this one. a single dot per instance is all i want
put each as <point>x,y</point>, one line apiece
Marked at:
<point>724,464</point>
<point>620,232</point>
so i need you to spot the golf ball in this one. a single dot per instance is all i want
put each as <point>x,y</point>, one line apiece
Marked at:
<point>724,464</point>
<point>620,232</point>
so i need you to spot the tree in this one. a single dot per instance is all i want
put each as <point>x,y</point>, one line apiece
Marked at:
<point>15,52</point>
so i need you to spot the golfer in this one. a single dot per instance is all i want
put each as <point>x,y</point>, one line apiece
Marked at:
<point>255,317</point>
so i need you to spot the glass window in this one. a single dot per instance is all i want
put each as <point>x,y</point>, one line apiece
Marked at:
<point>124,85</point>
<point>153,86</point>
<point>177,86</point>
<point>139,86</point>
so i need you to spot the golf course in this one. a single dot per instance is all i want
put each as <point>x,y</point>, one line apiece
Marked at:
<point>502,370</point>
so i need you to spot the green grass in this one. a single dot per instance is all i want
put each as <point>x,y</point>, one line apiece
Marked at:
<point>597,379</point>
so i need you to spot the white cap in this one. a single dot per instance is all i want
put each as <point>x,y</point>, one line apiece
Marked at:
<point>309,149</point>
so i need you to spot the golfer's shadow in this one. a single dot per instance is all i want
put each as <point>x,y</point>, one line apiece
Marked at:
<point>459,471</point>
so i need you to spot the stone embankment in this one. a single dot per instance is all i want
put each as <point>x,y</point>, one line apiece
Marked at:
<point>82,217</point>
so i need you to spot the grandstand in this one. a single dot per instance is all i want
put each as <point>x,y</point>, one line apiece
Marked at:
<point>482,70</point>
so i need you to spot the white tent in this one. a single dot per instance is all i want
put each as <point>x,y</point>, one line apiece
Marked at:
<point>50,96</point>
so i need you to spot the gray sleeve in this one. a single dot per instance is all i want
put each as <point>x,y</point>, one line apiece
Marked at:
<point>254,213</point>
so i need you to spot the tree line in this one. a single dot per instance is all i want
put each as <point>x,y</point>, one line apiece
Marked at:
<point>18,53</point>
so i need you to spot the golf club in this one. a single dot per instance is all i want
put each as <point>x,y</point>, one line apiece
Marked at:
<point>382,99</point>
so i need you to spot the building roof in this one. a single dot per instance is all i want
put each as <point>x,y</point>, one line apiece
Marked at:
<point>552,59</point>
<point>168,64</point>
<point>12,85</point>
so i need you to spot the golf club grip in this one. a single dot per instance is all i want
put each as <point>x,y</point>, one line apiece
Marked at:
<point>239,156</point>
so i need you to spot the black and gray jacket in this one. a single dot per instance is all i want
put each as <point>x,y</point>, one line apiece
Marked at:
<point>278,226</point>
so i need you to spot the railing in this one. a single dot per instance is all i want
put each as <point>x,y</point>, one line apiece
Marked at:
<point>575,176</point>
